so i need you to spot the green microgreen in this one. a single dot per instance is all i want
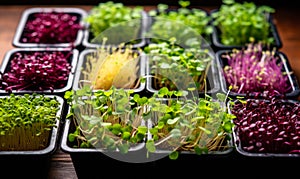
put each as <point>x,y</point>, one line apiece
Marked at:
<point>111,119</point>
<point>242,23</point>
<point>117,22</point>
<point>174,66</point>
<point>185,24</point>
<point>26,121</point>
<point>182,124</point>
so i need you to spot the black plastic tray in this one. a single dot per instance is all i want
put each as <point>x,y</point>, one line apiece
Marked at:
<point>83,57</point>
<point>140,41</point>
<point>89,162</point>
<point>72,60</point>
<point>212,80</point>
<point>205,40</point>
<point>32,164</point>
<point>217,45</point>
<point>294,93</point>
<point>255,155</point>
<point>30,11</point>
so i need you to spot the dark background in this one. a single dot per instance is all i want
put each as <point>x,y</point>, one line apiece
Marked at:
<point>273,3</point>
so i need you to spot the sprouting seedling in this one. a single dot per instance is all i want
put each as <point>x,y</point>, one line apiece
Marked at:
<point>255,70</point>
<point>184,4</point>
<point>26,121</point>
<point>186,25</point>
<point>188,125</point>
<point>108,119</point>
<point>118,68</point>
<point>189,63</point>
<point>251,23</point>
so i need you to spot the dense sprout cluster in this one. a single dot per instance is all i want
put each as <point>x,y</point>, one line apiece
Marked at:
<point>26,121</point>
<point>243,22</point>
<point>112,14</point>
<point>40,70</point>
<point>168,59</point>
<point>254,69</point>
<point>51,27</point>
<point>268,125</point>
<point>187,24</point>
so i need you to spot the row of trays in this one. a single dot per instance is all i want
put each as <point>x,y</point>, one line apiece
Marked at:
<point>77,62</point>
<point>84,37</point>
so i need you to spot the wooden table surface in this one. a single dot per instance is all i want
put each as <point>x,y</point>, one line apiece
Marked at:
<point>61,167</point>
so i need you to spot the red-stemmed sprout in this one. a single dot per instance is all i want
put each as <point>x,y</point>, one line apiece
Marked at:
<point>255,70</point>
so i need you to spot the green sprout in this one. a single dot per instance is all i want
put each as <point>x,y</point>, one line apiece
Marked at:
<point>243,23</point>
<point>26,121</point>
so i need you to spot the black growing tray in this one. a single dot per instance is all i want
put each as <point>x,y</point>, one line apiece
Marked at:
<point>35,163</point>
<point>5,66</point>
<point>87,161</point>
<point>28,14</point>
<point>83,58</point>
<point>238,140</point>
<point>206,40</point>
<point>140,41</point>
<point>217,45</point>
<point>212,80</point>
<point>293,94</point>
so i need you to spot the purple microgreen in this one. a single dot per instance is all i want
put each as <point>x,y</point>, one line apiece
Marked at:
<point>38,71</point>
<point>255,70</point>
<point>51,27</point>
<point>269,125</point>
